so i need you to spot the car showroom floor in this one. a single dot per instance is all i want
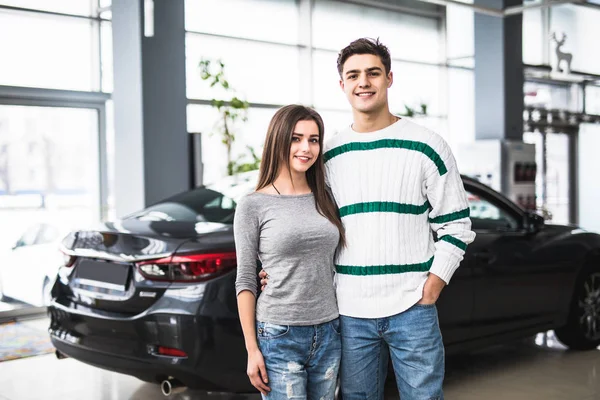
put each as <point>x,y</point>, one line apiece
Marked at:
<point>523,370</point>
<point>9,306</point>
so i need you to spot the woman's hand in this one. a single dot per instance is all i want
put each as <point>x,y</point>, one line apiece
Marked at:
<point>257,372</point>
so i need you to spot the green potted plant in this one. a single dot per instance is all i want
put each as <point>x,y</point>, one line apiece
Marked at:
<point>230,111</point>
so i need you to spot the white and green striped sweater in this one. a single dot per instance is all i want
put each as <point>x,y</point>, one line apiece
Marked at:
<point>393,187</point>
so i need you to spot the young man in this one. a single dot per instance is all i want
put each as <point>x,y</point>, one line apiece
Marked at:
<point>394,182</point>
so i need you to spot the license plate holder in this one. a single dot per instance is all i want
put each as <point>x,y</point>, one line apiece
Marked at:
<point>106,275</point>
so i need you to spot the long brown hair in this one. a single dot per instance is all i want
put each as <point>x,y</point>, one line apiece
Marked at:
<point>277,151</point>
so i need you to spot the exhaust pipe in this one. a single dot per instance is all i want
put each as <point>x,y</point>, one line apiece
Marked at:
<point>60,355</point>
<point>171,386</point>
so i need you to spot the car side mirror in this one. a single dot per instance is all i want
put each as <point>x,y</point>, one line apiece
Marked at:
<point>533,222</point>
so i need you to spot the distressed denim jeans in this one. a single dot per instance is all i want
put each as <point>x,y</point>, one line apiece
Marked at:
<point>302,361</point>
<point>414,342</point>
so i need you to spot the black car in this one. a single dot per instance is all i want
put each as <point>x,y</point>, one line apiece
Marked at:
<point>153,296</point>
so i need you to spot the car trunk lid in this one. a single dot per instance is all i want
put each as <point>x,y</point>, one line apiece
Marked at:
<point>105,275</point>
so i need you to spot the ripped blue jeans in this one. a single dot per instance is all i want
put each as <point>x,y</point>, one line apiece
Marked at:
<point>302,361</point>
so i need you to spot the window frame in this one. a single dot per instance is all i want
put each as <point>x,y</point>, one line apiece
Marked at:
<point>38,97</point>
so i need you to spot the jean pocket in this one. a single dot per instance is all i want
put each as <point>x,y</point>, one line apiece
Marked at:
<point>425,305</point>
<point>335,326</point>
<point>267,330</point>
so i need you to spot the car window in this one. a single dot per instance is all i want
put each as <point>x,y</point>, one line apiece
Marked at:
<point>487,216</point>
<point>221,202</point>
<point>198,205</point>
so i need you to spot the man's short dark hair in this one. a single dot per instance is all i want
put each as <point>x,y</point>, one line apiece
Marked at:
<point>365,46</point>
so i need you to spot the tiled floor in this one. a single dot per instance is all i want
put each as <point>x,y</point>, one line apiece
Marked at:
<point>10,305</point>
<point>525,371</point>
<point>522,371</point>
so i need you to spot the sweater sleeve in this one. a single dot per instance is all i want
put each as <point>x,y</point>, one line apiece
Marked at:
<point>449,215</point>
<point>246,230</point>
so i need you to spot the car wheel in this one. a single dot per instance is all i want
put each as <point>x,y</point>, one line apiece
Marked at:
<point>582,331</point>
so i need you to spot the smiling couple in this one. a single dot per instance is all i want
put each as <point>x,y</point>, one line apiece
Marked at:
<point>343,230</point>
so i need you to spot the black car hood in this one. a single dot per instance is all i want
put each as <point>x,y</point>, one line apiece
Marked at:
<point>551,233</point>
<point>134,240</point>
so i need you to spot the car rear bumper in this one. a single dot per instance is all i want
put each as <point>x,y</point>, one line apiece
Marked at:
<point>216,357</point>
<point>144,370</point>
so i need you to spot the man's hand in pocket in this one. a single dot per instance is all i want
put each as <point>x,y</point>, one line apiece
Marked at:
<point>432,289</point>
<point>264,279</point>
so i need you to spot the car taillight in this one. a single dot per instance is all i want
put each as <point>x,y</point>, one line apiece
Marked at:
<point>188,268</point>
<point>168,351</point>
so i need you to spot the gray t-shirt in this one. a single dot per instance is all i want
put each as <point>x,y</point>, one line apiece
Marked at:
<point>296,246</point>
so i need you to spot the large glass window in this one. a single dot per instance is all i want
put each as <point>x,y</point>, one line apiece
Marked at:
<point>414,85</point>
<point>461,106</point>
<point>335,24</point>
<point>107,56</point>
<point>50,168</point>
<point>49,163</point>
<point>256,19</point>
<point>47,51</point>
<point>298,65</point>
<point>335,121</point>
<point>409,37</point>
<point>49,184</point>
<point>326,82</point>
<point>76,7</point>
<point>260,72</point>
<point>460,36</point>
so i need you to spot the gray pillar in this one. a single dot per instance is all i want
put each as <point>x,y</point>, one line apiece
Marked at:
<point>498,73</point>
<point>151,144</point>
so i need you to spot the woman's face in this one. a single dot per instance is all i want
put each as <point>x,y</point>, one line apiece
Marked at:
<point>305,147</point>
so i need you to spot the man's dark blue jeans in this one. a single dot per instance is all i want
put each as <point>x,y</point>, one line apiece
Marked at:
<point>413,340</point>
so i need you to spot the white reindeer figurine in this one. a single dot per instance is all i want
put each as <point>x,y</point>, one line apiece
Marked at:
<point>560,55</point>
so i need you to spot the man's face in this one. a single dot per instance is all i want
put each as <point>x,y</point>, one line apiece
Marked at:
<point>365,83</point>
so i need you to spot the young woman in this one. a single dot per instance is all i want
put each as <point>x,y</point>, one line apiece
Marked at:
<point>291,225</point>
